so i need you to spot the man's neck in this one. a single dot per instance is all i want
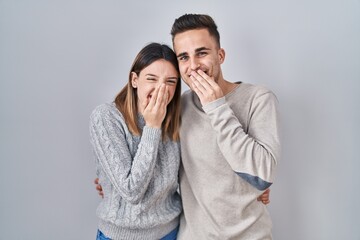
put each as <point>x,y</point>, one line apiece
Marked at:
<point>226,86</point>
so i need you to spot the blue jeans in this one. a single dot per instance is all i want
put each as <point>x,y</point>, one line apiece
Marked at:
<point>172,235</point>
<point>101,236</point>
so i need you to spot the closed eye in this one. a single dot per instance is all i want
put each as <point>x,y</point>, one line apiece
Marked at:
<point>171,82</point>
<point>200,54</point>
<point>183,58</point>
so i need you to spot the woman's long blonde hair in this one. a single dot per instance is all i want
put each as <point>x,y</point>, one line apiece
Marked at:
<point>126,100</point>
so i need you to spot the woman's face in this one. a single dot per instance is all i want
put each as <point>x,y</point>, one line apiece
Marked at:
<point>151,77</point>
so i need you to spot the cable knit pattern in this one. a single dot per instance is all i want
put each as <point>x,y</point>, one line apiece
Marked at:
<point>139,176</point>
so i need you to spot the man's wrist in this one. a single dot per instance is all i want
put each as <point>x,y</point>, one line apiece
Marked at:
<point>214,104</point>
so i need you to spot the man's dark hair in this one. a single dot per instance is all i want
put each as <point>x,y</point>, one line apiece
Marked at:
<point>195,21</point>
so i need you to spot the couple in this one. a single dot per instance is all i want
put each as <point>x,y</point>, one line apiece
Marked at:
<point>229,145</point>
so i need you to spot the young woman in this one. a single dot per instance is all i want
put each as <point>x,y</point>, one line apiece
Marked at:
<point>136,145</point>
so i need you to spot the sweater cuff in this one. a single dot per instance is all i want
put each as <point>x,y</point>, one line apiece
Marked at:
<point>214,104</point>
<point>151,135</point>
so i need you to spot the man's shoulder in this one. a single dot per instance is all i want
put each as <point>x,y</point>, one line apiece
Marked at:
<point>186,94</point>
<point>255,88</point>
<point>248,94</point>
<point>186,97</point>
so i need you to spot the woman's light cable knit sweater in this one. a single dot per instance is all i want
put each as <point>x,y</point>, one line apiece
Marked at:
<point>139,177</point>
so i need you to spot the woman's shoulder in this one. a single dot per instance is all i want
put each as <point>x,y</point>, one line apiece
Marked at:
<point>107,110</point>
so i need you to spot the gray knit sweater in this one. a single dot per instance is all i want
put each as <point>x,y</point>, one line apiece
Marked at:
<point>139,177</point>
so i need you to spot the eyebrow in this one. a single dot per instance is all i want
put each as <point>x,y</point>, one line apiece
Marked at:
<point>151,75</point>
<point>201,49</point>
<point>181,54</point>
<point>196,50</point>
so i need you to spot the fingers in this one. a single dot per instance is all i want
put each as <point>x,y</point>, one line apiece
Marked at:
<point>196,89</point>
<point>165,98</point>
<point>100,191</point>
<point>153,98</point>
<point>161,93</point>
<point>155,112</point>
<point>101,194</point>
<point>264,201</point>
<point>208,79</point>
<point>265,197</point>
<point>200,82</point>
<point>205,87</point>
<point>197,86</point>
<point>162,97</point>
<point>145,103</point>
<point>98,187</point>
<point>159,97</point>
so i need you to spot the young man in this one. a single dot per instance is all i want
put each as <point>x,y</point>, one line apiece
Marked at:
<point>229,141</point>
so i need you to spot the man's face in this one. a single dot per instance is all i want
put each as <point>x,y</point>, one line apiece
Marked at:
<point>197,49</point>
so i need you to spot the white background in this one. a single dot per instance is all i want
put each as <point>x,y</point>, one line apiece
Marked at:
<point>60,59</point>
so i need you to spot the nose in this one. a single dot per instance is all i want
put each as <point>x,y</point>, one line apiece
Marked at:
<point>194,64</point>
<point>161,81</point>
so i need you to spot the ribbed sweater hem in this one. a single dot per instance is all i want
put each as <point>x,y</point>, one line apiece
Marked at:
<point>119,233</point>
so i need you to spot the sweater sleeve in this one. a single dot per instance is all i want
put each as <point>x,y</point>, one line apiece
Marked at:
<point>130,176</point>
<point>252,153</point>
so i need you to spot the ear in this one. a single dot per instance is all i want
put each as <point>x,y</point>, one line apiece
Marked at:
<point>221,54</point>
<point>134,79</point>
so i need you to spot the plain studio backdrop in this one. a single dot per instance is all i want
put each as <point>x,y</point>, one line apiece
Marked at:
<point>60,59</point>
